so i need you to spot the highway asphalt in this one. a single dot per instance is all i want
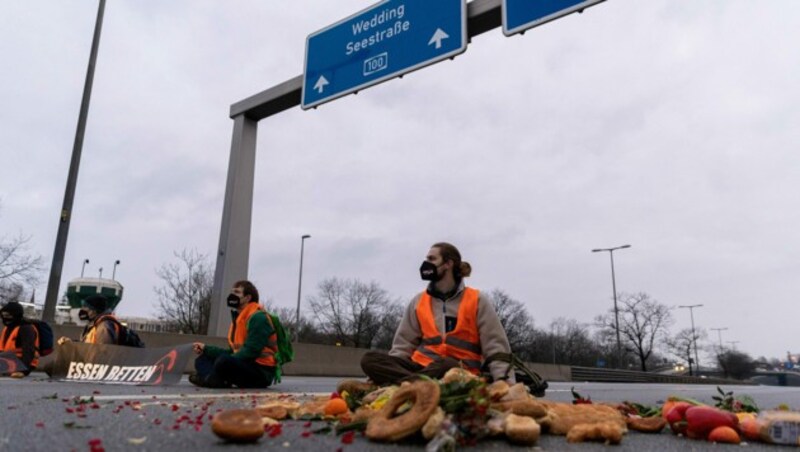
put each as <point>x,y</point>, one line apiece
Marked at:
<point>37,414</point>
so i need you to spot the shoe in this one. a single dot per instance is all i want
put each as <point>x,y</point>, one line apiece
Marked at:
<point>197,380</point>
<point>17,375</point>
<point>355,387</point>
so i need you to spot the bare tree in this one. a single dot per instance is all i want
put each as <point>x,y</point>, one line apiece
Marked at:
<point>643,322</point>
<point>682,346</point>
<point>572,343</point>
<point>18,265</point>
<point>736,364</point>
<point>389,322</point>
<point>184,298</point>
<point>515,320</point>
<point>350,311</point>
<point>12,292</point>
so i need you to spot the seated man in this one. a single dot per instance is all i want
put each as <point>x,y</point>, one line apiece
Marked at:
<point>448,325</point>
<point>250,360</point>
<point>19,337</point>
<point>101,327</point>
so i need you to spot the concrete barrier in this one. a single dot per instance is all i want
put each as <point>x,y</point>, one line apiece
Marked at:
<point>310,359</point>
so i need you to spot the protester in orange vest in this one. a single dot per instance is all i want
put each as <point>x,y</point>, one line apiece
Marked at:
<point>446,326</point>
<point>102,326</point>
<point>19,337</point>
<point>250,360</point>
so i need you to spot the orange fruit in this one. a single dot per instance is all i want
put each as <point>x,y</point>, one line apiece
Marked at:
<point>335,407</point>
<point>724,434</point>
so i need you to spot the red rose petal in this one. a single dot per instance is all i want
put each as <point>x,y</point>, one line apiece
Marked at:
<point>348,437</point>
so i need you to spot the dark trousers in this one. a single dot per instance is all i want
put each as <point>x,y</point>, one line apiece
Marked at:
<point>384,369</point>
<point>226,370</point>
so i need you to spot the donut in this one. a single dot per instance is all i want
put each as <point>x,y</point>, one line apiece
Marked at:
<point>385,426</point>
<point>238,426</point>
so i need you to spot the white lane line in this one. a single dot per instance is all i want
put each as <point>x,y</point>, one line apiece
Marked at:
<point>225,395</point>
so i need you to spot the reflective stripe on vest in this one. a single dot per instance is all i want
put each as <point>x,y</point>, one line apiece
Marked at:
<point>10,344</point>
<point>91,335</point>
<point>463,343</point>
<point>237,335</point>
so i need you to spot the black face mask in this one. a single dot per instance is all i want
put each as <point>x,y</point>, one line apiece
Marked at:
<point>8,322</point>
<point>233,300</point>
<point>428,271</point>
<point>83,314</point>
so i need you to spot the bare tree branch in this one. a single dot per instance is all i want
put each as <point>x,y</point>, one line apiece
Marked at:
<point>184,298</point>
<point>351,311</point>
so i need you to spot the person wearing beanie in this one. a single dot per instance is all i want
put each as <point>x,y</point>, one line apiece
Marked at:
<point>19,337</point>
<point>448,325</point>
<point>101,327</point>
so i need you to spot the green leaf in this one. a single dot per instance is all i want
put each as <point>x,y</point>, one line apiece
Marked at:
<point>75,426</point>
<point>54,396</point>
<point>359,426</point>
<point>322,430</point>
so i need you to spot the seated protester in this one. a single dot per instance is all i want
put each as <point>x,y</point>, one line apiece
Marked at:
<point>102,327</point>
<point>19,337</point>
<point>448,325</point>
<point>250,360</point>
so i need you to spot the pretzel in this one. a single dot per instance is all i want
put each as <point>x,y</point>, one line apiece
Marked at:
<point>385,426</point>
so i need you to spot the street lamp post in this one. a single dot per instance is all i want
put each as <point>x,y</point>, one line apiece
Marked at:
<point>65,216</point>
<point>85,261</point>
<point>114,273</point>
<point>101,272</point>
<point>299,288</point>
<point>719,333</point>
<point>614,289</point>
<point>694,336</point>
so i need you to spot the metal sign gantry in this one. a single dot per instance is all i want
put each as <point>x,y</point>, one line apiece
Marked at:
<point>233,252</point>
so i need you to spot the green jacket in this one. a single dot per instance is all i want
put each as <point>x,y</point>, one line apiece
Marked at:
<point>258,332</point>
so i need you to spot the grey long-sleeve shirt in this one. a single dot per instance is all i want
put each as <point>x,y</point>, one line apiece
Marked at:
<point>490,331</point>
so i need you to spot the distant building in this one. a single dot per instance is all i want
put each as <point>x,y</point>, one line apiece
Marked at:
<point>147,325</point>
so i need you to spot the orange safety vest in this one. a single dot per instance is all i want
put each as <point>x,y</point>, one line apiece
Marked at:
<point>237,335</point>
<point>91,335</point>
<point>463,343</point>
<point>10,344</point>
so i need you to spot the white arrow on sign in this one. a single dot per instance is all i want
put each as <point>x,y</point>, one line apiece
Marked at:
<point>322,83</point>
<point>437,37</point>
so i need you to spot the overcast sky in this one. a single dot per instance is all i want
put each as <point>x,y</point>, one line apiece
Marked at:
<point>671,125</point>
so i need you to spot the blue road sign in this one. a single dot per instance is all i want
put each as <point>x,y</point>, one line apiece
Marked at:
<point>386,40</point>
<point>520,15</point>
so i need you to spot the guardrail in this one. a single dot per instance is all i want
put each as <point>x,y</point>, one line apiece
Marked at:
<point>326,360</point>
<point>632,376</point>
